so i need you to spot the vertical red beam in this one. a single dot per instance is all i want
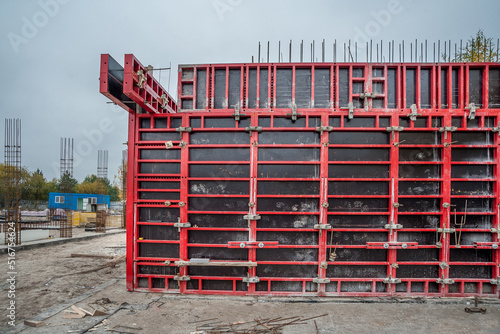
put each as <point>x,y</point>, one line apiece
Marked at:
<point>368,85</point>
<point>335,96</point>
<point>195,85</point>
<point>293,85</point>
<point>444,254</point>
<point>393,218</point>
<point>465,85</point>
<point>386,93</point>
<point>131,193</point>
<point>323,218</point>
<point>183,214</point>
<point>312,87</point>
<point>418,87</point>
<point>252,252</point>
<point>496,208</point>
<point>486,75</point>
<point>403,86</point>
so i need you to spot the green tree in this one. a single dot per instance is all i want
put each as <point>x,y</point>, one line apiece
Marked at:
<point>94,185</point>
<point>67,184</point>
<point>477,49</point>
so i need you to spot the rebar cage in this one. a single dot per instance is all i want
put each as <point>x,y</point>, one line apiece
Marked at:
<point>336,179</point>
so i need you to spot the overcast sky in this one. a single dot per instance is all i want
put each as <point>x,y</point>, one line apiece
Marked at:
<point>50,53</point>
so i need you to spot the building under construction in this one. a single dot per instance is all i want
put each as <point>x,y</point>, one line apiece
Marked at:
<point>321,179</point>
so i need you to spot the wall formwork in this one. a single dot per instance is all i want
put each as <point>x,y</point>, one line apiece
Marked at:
<point>321,179</point>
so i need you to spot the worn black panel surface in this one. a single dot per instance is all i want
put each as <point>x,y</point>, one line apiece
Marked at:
<point>215,237</point>
<point>422,238</point>
<point>472,154</point>
<point>215,220</point>
<point>219,187</point>
<point>158,250</point>
<point>357,221</point>
<point>218,271</point>
<point>358,204</point>
<point>419,188</point>
<point>346,271</point>
<point>284,88</point>
<point>473,204</point>
<point>289,154</point>
<point>159,168</point>
<point>357,238</point>
<point>359,137</point>
<point>211,138</point>
<point>265,122</point>
<point>288,204</point>
<point>356,287</point>
<point>288,171</point>
<point>287,188</point>
<point>195,122</point>
<point>419,221</point>
<point>483,272</point>
<point>359,122</point>
<point>157,270</point>
<point>217,285</point>
<point>286,286</point>
<point>145,123</point>
<point>161,154</point>
<point>418,255</point>
<point>343,87</point>
<point>222,220</point>
<point>476,86</point>
<point>219,170</point>
<point>287,254</point>
<point>420,171</point>
<point>264,88</point>
<point>287,221</point>
<point>157,232</point>
<point>417,271</point>
<point>218,253</point>
<point>161,123</point>
<point>419,205</point>
<point>358,154</point>
<point>468,238</point>
<point>473,138</point>
<point>358,171</point>
<point>269,270</point>
<point>159,185</point>
<point>425,88</point>
<point>471,171</point>
<point>252,88</point>
<point>420,154</point>
<point>411,93</point>
<point>471,255</point>
<point>494,88</point>
<point>218,204</point>
<point>420,138</point>
<point>159,195</point>
<point>303,87</point>
<point>289,238</point>
<point>471,188</point>
<point>234,88</point>
<point>474,221</point>
<point>359,255</point>
<point>322,88</point>
<point>220,89</point>
<point>289,138</point>
<point>219,154</point>
<point>358,188</point>
<point>201,89</point>
<point>168,215</point>
<point>159,136</point>
<point>288,122</point>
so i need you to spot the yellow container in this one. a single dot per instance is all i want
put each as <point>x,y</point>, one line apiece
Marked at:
<point>76,218</point>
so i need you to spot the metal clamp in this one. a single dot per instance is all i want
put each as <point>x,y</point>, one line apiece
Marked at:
<point>322,129</point>
<point>253,244</point>
<point>447,129</point>
<point>495,281</point>
<point>390,280</point>
<point>249,280</point>
<point>413,114</point>
<point>294,113</point>
<point>325,204</point>
<point>182,144</point>
<point>496,129</point>
<point>393,226</point>
<point>446,205</point>
<point>472,107</point>
<point>322,227</point>
<point>184,129</point>
<point>444,265</point>
<point>486,245</point>
<point>169,145</point>
<point>164,101</point>
<point>319,280</point>
<point>366,96</point>
<point>251,217</point>
<point>445,230</point>
<point>350,107</point>
<point>180,225</point>
<point>393,129</point>
<point>182,278</point>
<point>445,281</point>
<point>253,128</point>
<point>495,230</point>
<point>237,114</point>
<point>142,78</point>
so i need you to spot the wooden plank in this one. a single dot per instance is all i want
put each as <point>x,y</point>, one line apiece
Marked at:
<point>33,323</point>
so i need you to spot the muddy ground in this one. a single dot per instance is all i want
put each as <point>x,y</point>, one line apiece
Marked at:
<point>42,293</point>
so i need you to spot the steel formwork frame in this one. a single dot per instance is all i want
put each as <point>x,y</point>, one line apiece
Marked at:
<point>383,181</point>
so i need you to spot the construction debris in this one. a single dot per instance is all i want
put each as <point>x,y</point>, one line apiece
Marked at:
<point>33,323</point>
<point>258,326</point>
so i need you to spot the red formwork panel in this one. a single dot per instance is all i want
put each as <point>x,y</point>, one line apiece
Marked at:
<point>321,179</point>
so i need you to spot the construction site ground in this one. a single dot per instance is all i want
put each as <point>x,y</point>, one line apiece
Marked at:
<point>50,281</point>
